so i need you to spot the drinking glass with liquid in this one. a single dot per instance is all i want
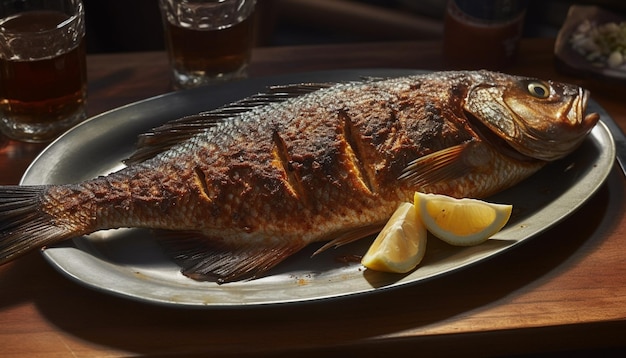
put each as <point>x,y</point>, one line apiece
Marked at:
<point>207,41</point>
<point>43,77</point>
<point>483,34</point>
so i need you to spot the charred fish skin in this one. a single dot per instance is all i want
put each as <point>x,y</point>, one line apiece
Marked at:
<point>242,187</point>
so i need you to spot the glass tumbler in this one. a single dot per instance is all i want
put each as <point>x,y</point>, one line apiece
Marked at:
<point>43,80</point>
<point>207,41</point>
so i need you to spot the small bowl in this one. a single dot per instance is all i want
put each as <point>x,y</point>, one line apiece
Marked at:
<point>569,60</point>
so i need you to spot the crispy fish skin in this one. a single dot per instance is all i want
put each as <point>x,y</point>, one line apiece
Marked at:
<point>243,187</point>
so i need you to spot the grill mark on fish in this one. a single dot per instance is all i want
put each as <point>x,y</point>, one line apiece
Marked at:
<point>201,180</point>
<point>354,152</point>
<point>283,161</point>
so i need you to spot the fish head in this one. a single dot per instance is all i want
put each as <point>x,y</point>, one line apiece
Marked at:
<point>544,120</point>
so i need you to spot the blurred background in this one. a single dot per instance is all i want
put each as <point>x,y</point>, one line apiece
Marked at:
<point>126,26</point>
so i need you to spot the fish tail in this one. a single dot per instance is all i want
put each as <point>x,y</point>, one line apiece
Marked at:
<point>23,225</point>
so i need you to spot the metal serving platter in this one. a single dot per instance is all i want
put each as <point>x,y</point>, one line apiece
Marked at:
<point>128,263</point>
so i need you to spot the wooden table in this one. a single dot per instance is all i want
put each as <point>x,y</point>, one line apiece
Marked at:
<point>564,290</point>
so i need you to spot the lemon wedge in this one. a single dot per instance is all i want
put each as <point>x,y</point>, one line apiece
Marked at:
<point>461,222</point>
<point>401,244</point>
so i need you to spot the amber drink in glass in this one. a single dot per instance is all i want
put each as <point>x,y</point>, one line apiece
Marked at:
<point>207,41</point>
<point>43,81</point>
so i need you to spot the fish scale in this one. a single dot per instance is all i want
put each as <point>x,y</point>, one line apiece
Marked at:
<point>233,191</point>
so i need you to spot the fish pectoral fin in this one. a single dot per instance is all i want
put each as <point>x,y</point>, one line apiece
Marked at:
<point>447,164</point>
<point>350,236</point>
<point>212,259</point>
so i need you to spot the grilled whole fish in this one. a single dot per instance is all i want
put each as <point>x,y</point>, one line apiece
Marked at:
<point>240,188</point>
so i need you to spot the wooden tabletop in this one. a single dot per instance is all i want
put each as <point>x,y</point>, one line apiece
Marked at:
<point>561,291</point>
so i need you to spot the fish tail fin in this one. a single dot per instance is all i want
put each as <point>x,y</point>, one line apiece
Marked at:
<point>23,225</point>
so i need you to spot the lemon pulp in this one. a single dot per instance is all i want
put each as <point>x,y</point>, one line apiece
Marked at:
<point>401,244</point>
<point>461,222</point>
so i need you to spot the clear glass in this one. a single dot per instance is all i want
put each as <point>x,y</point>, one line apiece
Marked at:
<point>208,41</point>
<point>43,77</point>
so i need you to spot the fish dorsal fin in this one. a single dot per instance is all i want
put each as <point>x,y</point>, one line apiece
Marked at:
<point>212,259</point>
<point>164,137</point>
<point>447,164</point>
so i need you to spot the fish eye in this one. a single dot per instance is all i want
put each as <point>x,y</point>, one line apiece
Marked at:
<point>538,89</point>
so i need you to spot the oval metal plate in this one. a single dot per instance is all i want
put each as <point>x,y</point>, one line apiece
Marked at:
<point>128,263</point>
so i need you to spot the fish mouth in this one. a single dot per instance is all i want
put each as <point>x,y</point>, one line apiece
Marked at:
<point>576,115</point>
<point>581,123</point>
